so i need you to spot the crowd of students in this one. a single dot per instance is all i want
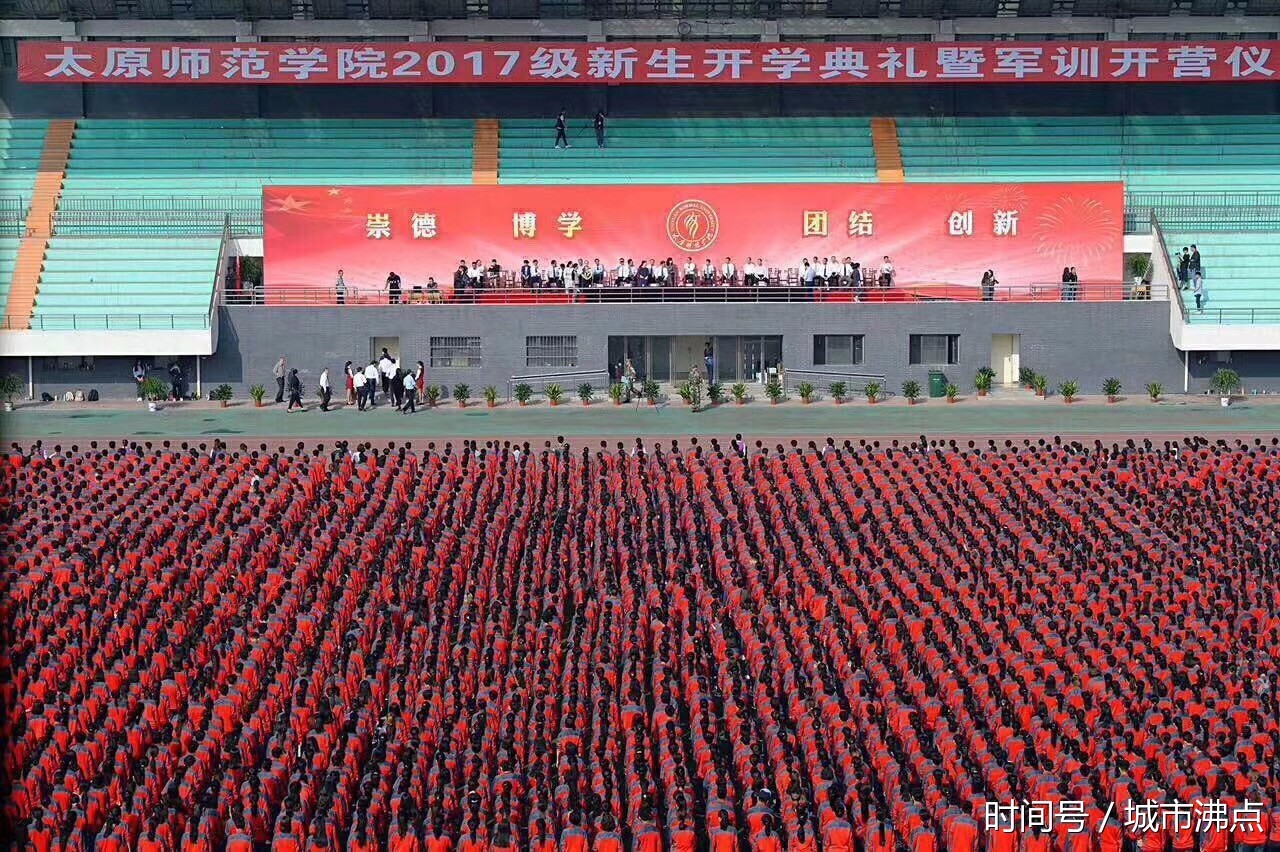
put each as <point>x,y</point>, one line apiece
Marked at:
<point>700,646</point>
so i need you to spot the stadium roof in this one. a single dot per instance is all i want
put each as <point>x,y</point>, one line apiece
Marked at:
<point>419,10</point>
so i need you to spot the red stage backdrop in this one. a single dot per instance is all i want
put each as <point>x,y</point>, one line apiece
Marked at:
<point>618,63</point>
<point>937,234</point>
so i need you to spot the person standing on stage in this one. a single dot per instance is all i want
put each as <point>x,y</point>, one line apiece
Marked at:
<point>599,123</point>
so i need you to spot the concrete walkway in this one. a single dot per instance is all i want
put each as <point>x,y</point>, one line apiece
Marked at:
<point>1013,415</point>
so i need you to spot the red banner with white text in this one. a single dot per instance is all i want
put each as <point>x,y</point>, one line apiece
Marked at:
<point>937,235</point>
<point>617,63</point>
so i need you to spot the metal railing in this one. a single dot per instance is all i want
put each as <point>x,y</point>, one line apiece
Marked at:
<point>569,381</point>
<point>130,215</point>
<point>1085,291</point>
<point>13,216</point>
<point>824,379</point>
<point>107,321</point>
<point>1203,211</point>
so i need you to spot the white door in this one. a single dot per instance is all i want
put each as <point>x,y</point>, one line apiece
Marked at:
<point>1004,357</point>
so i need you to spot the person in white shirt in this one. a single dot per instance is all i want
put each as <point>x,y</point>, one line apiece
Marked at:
<point>325,392</point>
<point>371,376</point>
<point>762,273</point>
<point>410,405</point>
<point>728,273</point>
<point>535,275</point>
<point>846,272</point>
<point>833,271</point>
<point>361,383</point>
<point>620,274</point>
<point>597,274</point>
<point>661,275</point>
<point>389,369</point>
<point>886,272</point>
<point>749,273</point>
<point>475,275</point>
<point>690,272</point>
<point>708,274</point>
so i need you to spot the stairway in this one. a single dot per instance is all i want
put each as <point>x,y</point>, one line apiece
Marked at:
<point>488,138</point>
<point>44,203</point>
<point>884,136</point>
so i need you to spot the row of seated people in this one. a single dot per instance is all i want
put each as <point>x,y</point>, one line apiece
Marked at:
<point>583,274</point>
<point>705,646</point>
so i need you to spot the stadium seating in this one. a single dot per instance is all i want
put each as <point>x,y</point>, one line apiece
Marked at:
<point>498,649</point>
<point>8,256</point>
<point>21,143</point>
<point>126,284</point>
<point>1239,276</point>
<point>151,164</point>
<point>692,150</point>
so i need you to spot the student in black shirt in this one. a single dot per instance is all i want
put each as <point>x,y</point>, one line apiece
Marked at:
<point>393,288</point>
<point>561,138</point>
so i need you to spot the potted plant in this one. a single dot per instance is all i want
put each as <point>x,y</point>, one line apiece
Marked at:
<point>433,394</point>
<point>911,390</point>
<point>773,390</point>
<point>695,394</point>
<point>651,391</point>
<point>1112,387</point>
<point>739,391</point>
<point>1154,390</point>
<point>491,396</point>
<point>1027,378</point>
<point>258,392</point>
<point>1225,383</point>
<point>554,393</point>
<point>154,392</point>
<point>462,393</point>
<point>616,392</point>
<point>806,391</point>
<point>982,381</point>
<point>872,390</point>
<point>585,393</point>
<point>1041,385</point>
<point>10,386</point>
<point>685,392</point>
<point>953,393</point>
<point>523,394</point>
<point>839,390</point>
<point>222,393</point>
<point>1069,390</point>
<point>715,393</point>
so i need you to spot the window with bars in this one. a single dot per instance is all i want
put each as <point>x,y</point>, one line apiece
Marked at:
<point>935,349</point>
<point>552,351</point>
<point>837,350</point>
<point>455,352</point>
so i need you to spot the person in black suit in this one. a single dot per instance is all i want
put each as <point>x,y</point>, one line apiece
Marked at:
<point>599,123</point>
<point>561,138</point>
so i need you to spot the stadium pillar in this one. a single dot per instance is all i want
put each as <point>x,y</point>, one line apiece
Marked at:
<point>31,379</point>
<point>1186,370</point>
<point>199,392</point>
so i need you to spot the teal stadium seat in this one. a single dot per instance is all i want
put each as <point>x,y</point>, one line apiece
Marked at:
<point>214,165</point>
<point>21,143</point>
<point>124,284</point>
<point>1239,276</point>
<point>692,150</point>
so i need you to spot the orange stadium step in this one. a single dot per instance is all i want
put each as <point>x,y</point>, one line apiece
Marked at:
<point>26,282</point>
<point>53,171</point>
<point>884,136</point>
<point>44,203</point>
<point>488,138</point>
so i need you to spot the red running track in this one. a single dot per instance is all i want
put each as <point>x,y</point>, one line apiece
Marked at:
<point>849,649</point>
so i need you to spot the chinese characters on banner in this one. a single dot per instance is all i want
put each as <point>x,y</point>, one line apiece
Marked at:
<point>1135,818</point>
<point>937,234</point>
<point>621,63</point>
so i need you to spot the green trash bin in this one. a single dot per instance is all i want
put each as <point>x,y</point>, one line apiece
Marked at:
<point>937,384</point>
